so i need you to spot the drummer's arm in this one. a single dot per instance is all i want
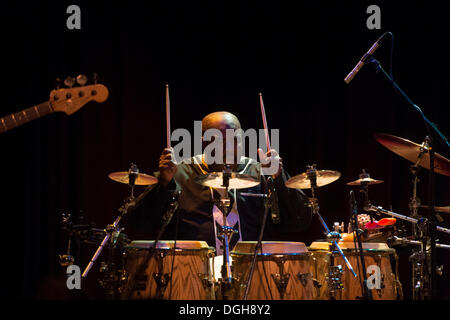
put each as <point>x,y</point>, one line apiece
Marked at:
<point>295,215</point>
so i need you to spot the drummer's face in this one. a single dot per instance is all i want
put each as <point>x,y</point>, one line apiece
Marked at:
<point>223,122</point>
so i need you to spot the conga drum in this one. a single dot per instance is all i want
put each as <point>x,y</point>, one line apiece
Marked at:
<point>281,272</point>
<point>335,280</point>
<point>165,273</point>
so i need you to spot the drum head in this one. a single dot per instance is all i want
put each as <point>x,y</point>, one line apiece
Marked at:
<point>168,244</point>
<point>270,248</point>
<point>350,246</point>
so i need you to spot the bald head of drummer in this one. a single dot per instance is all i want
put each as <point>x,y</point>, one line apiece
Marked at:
<point>221,121</point>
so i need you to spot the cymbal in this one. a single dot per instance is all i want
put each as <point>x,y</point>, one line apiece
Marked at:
<point>410,151</point>
<point>142,179</point>
<point>438,209</point>
<point>364,180</point>
<point>236,180</point>
<point>301,181</point>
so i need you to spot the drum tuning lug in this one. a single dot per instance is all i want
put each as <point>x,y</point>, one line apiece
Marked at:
<point>304,277</point>
<point>161,280</point>
<point>316,283</point>
<point>281,281</point>
<point>207,283</point>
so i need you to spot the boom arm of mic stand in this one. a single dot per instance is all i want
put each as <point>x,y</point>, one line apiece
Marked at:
<point>427,122</point>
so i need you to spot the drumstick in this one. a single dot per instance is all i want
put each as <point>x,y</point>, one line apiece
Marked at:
<point>263,113</point>
<point>168,116</point>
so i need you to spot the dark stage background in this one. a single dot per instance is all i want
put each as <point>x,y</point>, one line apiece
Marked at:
<point>215,55</point>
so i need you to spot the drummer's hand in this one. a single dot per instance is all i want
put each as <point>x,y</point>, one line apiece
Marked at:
<point>167,166</point>
<point>271,163</point>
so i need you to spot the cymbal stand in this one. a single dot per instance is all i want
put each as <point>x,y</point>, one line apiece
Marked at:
<point>365,190</point>
<point>225,234</point>
<point>112,231</point>
<point>335,271</point>
<point>414,203</point>
<point>419,257</point>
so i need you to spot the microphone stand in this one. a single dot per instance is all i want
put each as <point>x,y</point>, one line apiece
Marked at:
<point>431,223</point>
<point>258,247</point>
<point>367,294</point>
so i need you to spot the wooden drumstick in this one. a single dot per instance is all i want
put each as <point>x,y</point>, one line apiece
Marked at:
<point>266,130</point>
<point>168,116</point>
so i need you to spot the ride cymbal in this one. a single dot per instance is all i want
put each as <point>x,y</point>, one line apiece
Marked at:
<point>324,177</point>
<point>410,151</point>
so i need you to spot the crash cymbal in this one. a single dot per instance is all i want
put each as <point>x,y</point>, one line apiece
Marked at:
<point>438,209</point>
<point>301,181</point>
<point>237,180</point>
<point>410,151</point>
<point>142,179</point>
<point>364,180</point>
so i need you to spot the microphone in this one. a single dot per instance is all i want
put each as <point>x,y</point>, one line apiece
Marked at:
<point>275,209</point>
<point>172,207</point>
<point>364,59</point>
<point>273,199</point>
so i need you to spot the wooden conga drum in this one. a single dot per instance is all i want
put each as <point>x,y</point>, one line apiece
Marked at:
<point>336,281</point>
<point>149,274</point>
<point>282,271</point>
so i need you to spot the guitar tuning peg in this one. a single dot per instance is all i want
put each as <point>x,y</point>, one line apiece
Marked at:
<point>58,83</point>
<point>69,81</point>
<point>82,79</point>
<point>95,77</point>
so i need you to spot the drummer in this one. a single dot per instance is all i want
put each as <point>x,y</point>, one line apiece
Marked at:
<point>198,216</point>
